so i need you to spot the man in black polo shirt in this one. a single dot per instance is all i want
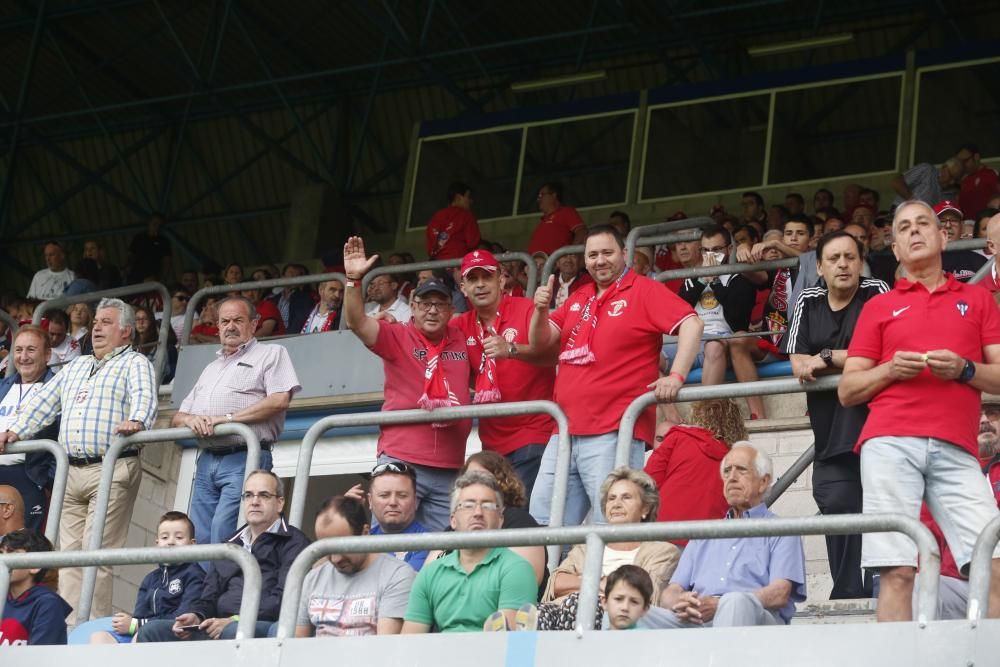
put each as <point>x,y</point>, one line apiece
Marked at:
<point>963,263</point>
<point>821,327</point>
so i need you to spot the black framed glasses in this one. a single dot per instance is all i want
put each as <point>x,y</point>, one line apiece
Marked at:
<point>263,495</point>
<point>393,468</point>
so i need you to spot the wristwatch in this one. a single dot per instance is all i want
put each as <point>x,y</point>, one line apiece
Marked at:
<point>968,372</point>
<point>826,354</point>
<point>512,350</point>
<point>229,416</point>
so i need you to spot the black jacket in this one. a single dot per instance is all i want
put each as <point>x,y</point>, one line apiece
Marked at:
<point>223,585</point>
<point>300,304</point>
<point>735,294</point>
<point>167,590</point>
<point>40,467</point>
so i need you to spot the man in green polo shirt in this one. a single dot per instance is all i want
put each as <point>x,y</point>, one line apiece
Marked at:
<point>457,592</point>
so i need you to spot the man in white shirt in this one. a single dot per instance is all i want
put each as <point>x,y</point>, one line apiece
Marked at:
<point>51,281</point>
<point>383,291</point>
<point>65,348</point>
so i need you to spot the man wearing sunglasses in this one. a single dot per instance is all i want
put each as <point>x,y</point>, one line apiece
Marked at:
<point>271,540</point>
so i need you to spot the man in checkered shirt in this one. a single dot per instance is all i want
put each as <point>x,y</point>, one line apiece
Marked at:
<point>99,396</point>
<point>248,382</point>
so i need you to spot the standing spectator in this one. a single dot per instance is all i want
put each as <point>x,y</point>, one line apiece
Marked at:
<point>817,341</point>
<point>962,263</point>
<point>458,592</point>
<point>293,302</point>
<point>979,185</point>
<point>427,366</point>
<point>505,367</point>
<point>352,594</point>
<point>52,281</point>
<point>609,336</point>
<point>64,347</point>
<point>33,614</point>
<point>271,540</point>
<point>86,278</point>
<point>560,225</point>
<point>105,395</point>
<point>31,474</point>
<point>189,281</point>
<point>326,315</point>
<point>453,230</point>
<point>822,199</point>
<point>795,203</point>
<point>150,255</point>
<point>248,382</point>
<point>754,210</point>
<point>926,182</point>
<point>108,275</point>
<point>991,281</point>
<point>931,336</point>
<point>147,338</point>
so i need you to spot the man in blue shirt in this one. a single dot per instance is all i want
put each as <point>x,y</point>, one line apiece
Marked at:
<point>736,581</point>
<point>392,497</point>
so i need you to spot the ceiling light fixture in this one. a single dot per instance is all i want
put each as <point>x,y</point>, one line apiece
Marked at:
<point>801,45</point>
<point>557,81</point>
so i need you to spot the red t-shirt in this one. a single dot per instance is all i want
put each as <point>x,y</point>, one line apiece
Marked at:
<point>555,230</point>
<point>976,191</point>
<point>403,353</point>
<point>957,317</point>
<point>626,346</point>
<point>992,471</point>
<point>948,566</point>
<point>665,262</point>
<point>685,467</point>
<point>452,232</point>
<point>517,380</point>
<point>266,310</point>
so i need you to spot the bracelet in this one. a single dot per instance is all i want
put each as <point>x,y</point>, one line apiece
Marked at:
<point>677,375</point>
<point>133,626</point>
<point>350,283</point>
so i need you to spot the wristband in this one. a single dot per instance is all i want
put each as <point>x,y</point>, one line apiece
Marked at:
<point>677,375</point>
<point>133,626</point>
<point>350,283</point>
<point>234,617</point>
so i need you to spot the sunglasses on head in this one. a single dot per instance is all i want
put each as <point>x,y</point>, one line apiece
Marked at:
<point>393,467</point>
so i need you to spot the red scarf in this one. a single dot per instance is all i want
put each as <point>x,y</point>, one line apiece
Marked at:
<point>487,390</point>
<point>577,350</point>
<point>330,317</point>
<point>437,393</point>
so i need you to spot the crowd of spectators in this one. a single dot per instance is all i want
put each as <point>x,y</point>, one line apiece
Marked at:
<point>859,297</point>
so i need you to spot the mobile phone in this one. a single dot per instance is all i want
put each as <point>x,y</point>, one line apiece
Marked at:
<point>190,628</point>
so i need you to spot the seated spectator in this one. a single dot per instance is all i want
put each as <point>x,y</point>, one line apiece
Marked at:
<point>147,338</point>
<point>453,230</point>
<point>207,330</point>
<point>81,318</point>
<point>443,276</point>
<point>982,220</point>
<point>64,348</point>
<point>460,591</point>
<point>685,462</point>
<point>11,510</point>
<point>641,263</point>
<point>352,594</point>
<point>33,615</point>
<point>754,210</point>
<point>570,277</point>
<point>327,313</point>
<point>777,215</point>
<point>683,255</point>
<point>990,281</point>
<point>52,281</point>
<point>232,275</point>
<point>822,199</point>
<point>869,197</point>
<point>795,203</point>
<point>736,581</point>
<point>833,223</point>
<point>30,474</point>
<point>164,591</point>
<point>293,302</point>
<point>189,282</point>
<point>86,278</point>
<point>620,221</point>
<point>926,181</point>
<point>963,263</point>
<point>406,280</point>
<point>628,496</point>
<point>383,292</point>
<point>179,299</point>
<point>274,544</point>
<point>108,275</point>
<point>628,595</point>
<point>269,322</point>
<point>560,225</point>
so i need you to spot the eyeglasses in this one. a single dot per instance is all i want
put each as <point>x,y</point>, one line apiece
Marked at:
<point>428,306</point>
<point>393,467</point>
<point>469,505</point>
<point>263,495</point>
<point>951,222</point>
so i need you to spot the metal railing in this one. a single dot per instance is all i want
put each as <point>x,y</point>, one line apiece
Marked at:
<point>166,435</point>
<point>636,233</point>
<point>596,537</point>
<point>249,602</point>
<point>60,302</point>
<point>984,271</point>
<point>396,417</point>
<point>981,571</point>
<point>58,484</point>
<point>196,298</point>
<point>725,269</point>
<point>413,267</point>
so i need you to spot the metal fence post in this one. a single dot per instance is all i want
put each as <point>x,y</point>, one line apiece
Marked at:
<point>111,456</point>
<point>58,484</point>
<point>590,582</point>
<point>981,571</point>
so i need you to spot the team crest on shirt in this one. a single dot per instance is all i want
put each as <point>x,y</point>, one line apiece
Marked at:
<point>470,341</point>
<point>509,334</point>
<point>575,307</point>
<point>963,308</point>
<point>174,587</point>
<point>617,307</point>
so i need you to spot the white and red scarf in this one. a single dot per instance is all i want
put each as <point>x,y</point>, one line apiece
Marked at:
<point>578,350</point>
<point>487,389</point>
<point>437,393</point>
<point>327,324</point>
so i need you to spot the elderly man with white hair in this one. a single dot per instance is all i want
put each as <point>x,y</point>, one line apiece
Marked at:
<point>736,581</point>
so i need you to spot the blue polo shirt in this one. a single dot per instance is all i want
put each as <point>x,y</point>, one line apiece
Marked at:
<point>414,559</point>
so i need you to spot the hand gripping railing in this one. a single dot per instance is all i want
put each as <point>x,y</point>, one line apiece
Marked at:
<point>705,392</point>
<point>61,302</point>
<point>413,267</point>
<point>196,298</point>
<point>394,417</point>
<point>249,602</point>
<point>58,484</point>
<point>107,476</point>
<point>981,571</point>
<point>631,241</point>
<point>596,537</point>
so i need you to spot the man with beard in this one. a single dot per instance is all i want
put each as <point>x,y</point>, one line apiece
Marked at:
<point>325,315</point>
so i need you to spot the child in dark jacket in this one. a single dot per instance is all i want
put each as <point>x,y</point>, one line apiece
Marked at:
<point>34,614</point>
<point>163,591</point>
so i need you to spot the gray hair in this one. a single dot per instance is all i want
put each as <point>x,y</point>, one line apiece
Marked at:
<point>279,485</point>
<point>473,478</point>
<point>761,460</point>
<point>913,202</point>
<point>251,309</point>
<point>647,489</point>
<point>126,315</point>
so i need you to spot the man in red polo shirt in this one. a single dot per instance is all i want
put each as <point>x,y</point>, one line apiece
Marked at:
<point>980,182</point>
<point>504,366</point>
<point>426,366</point>
<point>609,336</point>
<point>560,225</point>
<point>453,230</point>
<point>931,341</point>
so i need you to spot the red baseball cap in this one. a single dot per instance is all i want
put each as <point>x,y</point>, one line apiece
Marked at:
<point>479,259</point>
<point>947,205</point>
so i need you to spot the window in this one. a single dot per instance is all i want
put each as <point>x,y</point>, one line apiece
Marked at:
<point>957,105</point>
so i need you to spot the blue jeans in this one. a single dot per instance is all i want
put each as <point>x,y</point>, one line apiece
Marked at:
<point>215,500</point>
<point>526,461</point>
<point>433,494</point>
<point>162,631</point>
<point>592,458</point>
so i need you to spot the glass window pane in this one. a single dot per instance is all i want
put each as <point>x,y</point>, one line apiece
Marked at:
<point>838,130</point>
<point>589,157</point>
<point>706,147</point>
<point>486,162</point>
<point>958,105</point>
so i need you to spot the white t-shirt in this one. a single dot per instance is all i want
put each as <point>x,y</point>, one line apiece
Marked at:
<point>710,311</point>
<point>400,309</point>
<point>17,396</point>
<point>614,559</point>
<point>47,284</point>
<point>68,350</point>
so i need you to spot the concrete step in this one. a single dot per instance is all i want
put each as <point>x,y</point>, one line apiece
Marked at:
<point>861,610</point>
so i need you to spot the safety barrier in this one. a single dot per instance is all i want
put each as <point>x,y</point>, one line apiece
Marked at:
<point>58,484</point>
<point>197,297</point>
<point>395,417</point>
<point>166,435</point>
<point>596,537</point>
<point>413,267</point>
<point>984,271</point>
<point>636,233</point>
<point>61,302</point>
<point>249,602</point>
<point>981,571</point>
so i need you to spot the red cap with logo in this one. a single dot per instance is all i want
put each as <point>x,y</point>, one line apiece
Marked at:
<point>946,205</point>
<point>479,259</point>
